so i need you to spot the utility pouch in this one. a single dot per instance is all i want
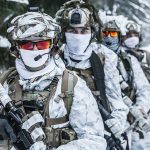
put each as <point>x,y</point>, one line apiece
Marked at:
<point>52,137</point>
<point>57,137</point>
<point>67,135</point>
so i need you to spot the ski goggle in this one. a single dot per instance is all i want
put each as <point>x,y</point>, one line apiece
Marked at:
<point>111,33</point>
<point>29,45</point>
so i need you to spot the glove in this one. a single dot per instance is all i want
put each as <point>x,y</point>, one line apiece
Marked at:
<point>141,116</point>
<point>6,130</point>
<point>115,126</point>
<point>144,125</point>
<point>110,142</point>
<point>113,145</point>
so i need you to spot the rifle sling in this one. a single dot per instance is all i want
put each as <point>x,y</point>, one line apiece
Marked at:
<point>99,78</point>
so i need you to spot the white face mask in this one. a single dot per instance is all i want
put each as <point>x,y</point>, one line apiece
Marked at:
<point>111,43</point>
<point>131,42</point>
<point>77,43</point>
<point>28,57</point>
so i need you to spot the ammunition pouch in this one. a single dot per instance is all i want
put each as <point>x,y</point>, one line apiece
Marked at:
<point>57,137</point>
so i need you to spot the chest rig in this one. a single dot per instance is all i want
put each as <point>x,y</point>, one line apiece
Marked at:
<point>39,100</point>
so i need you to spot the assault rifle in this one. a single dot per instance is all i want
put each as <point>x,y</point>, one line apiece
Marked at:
<point>14,115</point>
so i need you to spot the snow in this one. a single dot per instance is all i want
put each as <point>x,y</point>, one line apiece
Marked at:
<point>20,1</point>
<point>4,42</point>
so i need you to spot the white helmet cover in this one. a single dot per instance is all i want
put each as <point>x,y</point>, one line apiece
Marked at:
<point>75,13</point>
<point>33,26</point>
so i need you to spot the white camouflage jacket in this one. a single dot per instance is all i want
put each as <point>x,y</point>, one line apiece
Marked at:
<point>84,116</point>
<point>113,90</point>
<point>140,84</point>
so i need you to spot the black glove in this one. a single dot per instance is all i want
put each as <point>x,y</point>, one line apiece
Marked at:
<point>110,142</point>
<point>6,130</point>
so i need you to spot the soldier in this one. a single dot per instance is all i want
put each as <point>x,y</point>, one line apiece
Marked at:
<point>131,40</point>
<point>93,62</point>
<point>46,92</point>
<point>134,84</point>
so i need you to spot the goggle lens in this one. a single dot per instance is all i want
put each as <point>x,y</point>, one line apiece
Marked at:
<point>111,33</point>
<point>43,45</point>
<point>29,45</point>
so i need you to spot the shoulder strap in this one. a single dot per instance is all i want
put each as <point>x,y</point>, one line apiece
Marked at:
<point>101,57</point>
<point>99,78</point>
<point>69,81</point>
<point>4,76</point>
<point>128,66</point>
<point>148,58</point>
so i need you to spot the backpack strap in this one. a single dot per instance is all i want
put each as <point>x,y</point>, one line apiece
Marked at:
<point>97,64</point>
<point>101,57</point>
<point>148,58</point>
<point>69,81</point>
<point>7,74</point>
<point>130,91</point>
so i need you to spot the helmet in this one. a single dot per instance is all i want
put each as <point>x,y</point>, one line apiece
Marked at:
<point>111,26</point>
<point>132,28</point>
<point>132,37</point>
<point>113,41</point>
<point>32,26</point>
<point>77,13</point>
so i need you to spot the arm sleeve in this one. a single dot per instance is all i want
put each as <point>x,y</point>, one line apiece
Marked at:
<point>86,121</point>
<point>141,84</point>
<point>113,89</point>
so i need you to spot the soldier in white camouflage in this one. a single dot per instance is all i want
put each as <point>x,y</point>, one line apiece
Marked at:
<point>47,93</point>
<point>134,84</point>
<point>80,26</point>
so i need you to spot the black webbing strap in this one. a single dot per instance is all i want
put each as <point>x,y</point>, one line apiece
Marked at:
<point>99,78</point>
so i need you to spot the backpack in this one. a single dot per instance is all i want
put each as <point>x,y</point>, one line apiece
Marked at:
<point>69,81</point>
